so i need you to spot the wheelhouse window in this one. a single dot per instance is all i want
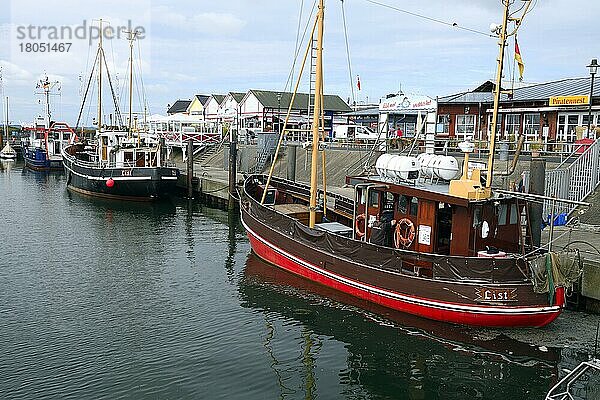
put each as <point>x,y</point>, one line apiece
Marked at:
<point>403,202</point>
<point>374,199</point>
<point>414,206</point>
<point>465,126</point>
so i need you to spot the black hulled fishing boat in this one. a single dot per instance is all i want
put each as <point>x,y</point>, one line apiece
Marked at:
<point>121,162</point>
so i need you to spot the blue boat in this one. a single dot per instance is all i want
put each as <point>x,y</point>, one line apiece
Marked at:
<point>42,148</point>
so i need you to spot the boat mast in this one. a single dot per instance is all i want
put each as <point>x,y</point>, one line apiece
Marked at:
<point>131,38</point>
<point>502,36</point>
<point>497,89</point>
<point>316,116</point>
<point>101,54</point>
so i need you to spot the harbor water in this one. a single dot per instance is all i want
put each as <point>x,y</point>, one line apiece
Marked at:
<point>111,300</point>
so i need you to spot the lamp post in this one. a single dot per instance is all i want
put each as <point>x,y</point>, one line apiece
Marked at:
<point>593,69</point>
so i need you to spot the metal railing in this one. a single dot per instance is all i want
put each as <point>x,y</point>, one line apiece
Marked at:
<point>575,181</point>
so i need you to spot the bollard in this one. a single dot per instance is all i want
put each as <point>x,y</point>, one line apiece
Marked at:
<point>190,169</point>
<point>537,185</point>
<point>291,162</point>
<point>232,170</point>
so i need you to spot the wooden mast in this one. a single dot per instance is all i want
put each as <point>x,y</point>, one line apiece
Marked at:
<point>131,39</point>
<point>316,116</point>
<point>100,55</point>
<point>502,43</point>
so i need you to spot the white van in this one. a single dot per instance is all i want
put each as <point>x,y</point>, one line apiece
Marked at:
<point>354,132</point>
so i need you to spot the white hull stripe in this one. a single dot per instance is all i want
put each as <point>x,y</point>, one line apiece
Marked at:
<point>401,297</point>
<point>115,178</point>
<point>168,178</point>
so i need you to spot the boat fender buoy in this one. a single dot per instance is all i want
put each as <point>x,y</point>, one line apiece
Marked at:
<point>359,218</point>
<point>110,182</point>
<point>404,234</point>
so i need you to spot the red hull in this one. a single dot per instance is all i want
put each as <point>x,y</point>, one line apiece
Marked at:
<point>477,315</point>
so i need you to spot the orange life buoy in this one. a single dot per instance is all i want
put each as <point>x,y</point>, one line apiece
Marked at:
<point>404,234</point>
<point>360,217</point>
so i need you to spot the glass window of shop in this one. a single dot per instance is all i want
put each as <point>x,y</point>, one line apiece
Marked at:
<point>531,127</point>
<point>443,124</point>
<point>465,126</point>
<point>498,127</point>
<point>567,124</point>
<point>511,126</point>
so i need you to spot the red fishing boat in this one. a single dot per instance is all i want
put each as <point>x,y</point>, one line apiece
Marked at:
<point>454,251</point>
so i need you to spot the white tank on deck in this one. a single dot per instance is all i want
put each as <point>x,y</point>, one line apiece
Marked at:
<point>446,167</point>
<point>397,167</point>
<point>381,165</point>
<point>438,166</point>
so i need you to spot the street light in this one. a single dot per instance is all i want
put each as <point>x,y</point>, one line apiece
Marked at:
<point>593,69</point>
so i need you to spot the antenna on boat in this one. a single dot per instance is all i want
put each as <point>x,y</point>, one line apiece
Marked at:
<point>131,38</point>
<point>471,188</point>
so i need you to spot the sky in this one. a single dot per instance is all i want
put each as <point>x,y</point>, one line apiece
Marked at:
<point>202,47</point>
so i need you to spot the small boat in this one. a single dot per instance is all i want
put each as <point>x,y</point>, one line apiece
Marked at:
<point>46,138</point>
<point>121,162</point>
<point>8,153</point>
<point>454,251</point>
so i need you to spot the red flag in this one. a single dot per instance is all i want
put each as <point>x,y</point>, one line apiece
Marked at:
<point>358,81</point>
<point>519,60</point>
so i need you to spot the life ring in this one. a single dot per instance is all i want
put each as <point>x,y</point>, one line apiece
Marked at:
<point>360,217</point>
<point>404,234</point>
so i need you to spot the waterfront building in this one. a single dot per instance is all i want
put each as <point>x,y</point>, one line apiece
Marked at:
<point>263,110</point>
<point>553,114</point>
<point>179,107</point>
<point>197,105</point>
<point>212,107</point>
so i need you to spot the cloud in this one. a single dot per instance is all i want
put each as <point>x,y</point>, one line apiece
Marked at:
<point>211,23</point>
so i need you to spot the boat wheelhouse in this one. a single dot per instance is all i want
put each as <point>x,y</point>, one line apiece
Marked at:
<point>42,148</point>
<point>118,167</point>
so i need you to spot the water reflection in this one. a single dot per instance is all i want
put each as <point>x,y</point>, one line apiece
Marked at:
<point>390,354</point>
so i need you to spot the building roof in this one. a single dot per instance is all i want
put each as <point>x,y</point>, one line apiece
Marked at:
<point>468,97</point>
<point>269,99</point>
<point>179,106</point>
<point>218,98</point>
<point>237,96</point>
<point>563,87</point>
<point>202,98</point>
<point>537,92</point>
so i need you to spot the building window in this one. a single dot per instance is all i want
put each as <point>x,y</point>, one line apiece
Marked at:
<point>531,127</point>
<point>498,127</point>
<point>465,126</point>
<point>511,126</point>
<point>567,125</point>
<point>443,125</point>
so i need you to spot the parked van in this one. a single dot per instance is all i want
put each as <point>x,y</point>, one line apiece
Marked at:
<point>354,132</point>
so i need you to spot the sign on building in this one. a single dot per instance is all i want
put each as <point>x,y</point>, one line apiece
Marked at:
<point>569,100</point>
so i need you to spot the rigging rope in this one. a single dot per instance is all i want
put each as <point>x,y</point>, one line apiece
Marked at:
<point>348,53</point>
<point>112,90</point>
<point>439,21</point>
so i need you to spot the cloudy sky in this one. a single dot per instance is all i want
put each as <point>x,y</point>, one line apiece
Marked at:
<point>200,46</point>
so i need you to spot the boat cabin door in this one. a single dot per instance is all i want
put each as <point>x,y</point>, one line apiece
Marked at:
<point>104,148</point>
<point>426,226</point>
